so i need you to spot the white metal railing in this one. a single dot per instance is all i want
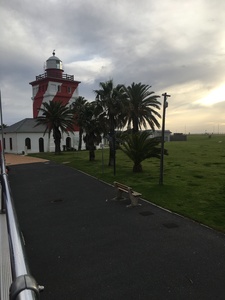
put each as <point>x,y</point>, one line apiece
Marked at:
<point>55,74</point>
<point>15,278</point>
<point>23,286</point>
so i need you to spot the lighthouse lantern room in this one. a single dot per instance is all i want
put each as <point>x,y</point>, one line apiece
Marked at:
<point>53,85</point>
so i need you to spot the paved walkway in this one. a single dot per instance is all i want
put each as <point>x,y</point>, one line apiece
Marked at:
<point>83,246</point>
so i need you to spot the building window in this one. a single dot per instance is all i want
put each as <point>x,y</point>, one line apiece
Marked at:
<point>10,143</point>
<point>28,143</point>
<point>58,64</point>
<point>69,90</point>
<point>35,91</point>
<point>59,88</point>
<point>53,87</point>
<point>41,145</point>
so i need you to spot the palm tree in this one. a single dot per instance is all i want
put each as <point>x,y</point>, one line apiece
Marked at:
<point>78,108</point>
<point>139,146</point>
<point>57,118</point>
<point>3,126</point>
<point>92,130</point>
<point>110,112</point>
<point>142,106</point>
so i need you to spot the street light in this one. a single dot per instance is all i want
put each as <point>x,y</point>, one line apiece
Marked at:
<point>165,105</point>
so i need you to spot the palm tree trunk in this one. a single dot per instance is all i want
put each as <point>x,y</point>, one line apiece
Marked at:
<point>48,147</point>
<point>57,139</point>
<point>135,124</point>
<point>137,168</point>
<point>57,146</point>
<point>111,152</point>
<point>91,154</point>
<point>80,138</point>
<point>112,144</point>
<point>90,145</point>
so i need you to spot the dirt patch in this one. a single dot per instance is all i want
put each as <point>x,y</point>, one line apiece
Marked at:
<point>15,159</point>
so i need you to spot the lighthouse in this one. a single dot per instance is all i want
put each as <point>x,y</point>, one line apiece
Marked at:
<point>53,85</point>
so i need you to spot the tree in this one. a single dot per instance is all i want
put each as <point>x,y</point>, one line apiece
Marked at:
<point>139,146</point>
<point>3,126</point>
<point>110,111</point>
<point>78,108</point>
<point>142,106</point>
<point>57,118</point>
<point>92,129</point>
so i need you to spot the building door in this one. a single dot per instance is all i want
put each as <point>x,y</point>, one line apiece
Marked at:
<point>68,143</point>
<point>41,145</point>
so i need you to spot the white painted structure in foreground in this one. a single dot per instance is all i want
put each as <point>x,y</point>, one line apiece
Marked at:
<point>24,138</point>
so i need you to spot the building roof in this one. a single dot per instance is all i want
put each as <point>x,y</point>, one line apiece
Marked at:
<point>25,126</point>
<point>53,56</point>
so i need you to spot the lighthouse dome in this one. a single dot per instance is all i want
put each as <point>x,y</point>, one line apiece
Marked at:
<point>54,62</point>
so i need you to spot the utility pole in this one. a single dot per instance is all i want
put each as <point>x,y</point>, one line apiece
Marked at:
<point>165,105</point>
<point>114,152</point>
<point>2,203</point>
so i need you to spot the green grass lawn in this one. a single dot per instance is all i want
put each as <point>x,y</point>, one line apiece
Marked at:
<point>194,176</point>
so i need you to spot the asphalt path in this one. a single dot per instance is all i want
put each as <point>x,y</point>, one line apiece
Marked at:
<point>82,245</point>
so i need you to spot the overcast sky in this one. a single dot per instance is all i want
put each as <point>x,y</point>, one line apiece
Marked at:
<point>175,46</point>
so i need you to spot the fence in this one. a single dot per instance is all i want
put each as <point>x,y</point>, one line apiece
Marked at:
<point>16,282</point>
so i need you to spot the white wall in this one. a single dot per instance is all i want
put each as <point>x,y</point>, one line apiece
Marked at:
<point>18,142</point>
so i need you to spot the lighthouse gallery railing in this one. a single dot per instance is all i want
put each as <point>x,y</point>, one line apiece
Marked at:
<point>23,285</point>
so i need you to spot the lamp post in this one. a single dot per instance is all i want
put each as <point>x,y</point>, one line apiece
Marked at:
<point>2,203</point>
<point>165,105</point>
<point>114,152</point>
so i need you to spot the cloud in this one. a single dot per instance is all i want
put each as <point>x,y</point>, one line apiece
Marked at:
<point>175,46</point>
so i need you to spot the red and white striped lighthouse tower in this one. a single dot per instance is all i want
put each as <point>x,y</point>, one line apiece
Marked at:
<point>53,85</point>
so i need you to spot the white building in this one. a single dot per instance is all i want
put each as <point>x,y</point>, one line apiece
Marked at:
<point>158,133</point>
<point>24,138</point>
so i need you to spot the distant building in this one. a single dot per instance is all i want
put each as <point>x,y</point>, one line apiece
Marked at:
<point>158,133</point>
<point>178,137</point>
<point>168,136</point>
